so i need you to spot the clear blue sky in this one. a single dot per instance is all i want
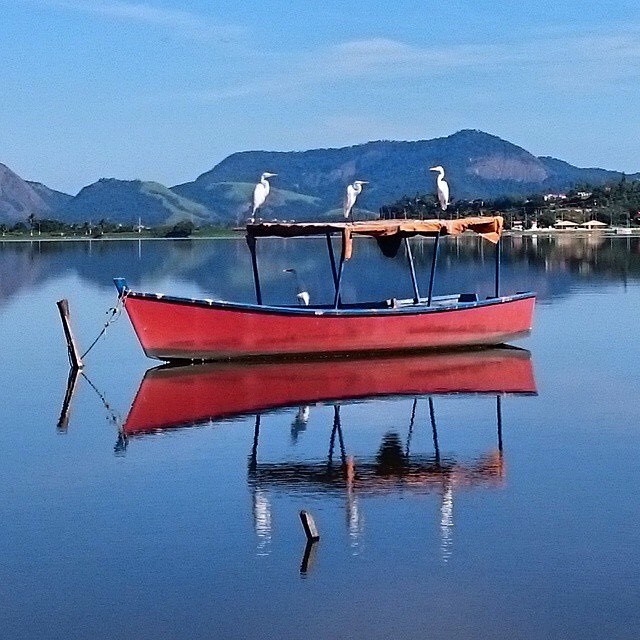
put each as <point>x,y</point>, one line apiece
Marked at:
<point>163,90</point>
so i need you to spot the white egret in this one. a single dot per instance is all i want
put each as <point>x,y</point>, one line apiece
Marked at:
<point>302,295</point>
<point>261,191</point>
<point>443,188</point>
<point>353,191</point>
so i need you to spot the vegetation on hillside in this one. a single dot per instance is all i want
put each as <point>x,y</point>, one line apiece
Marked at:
<point>615,203</point>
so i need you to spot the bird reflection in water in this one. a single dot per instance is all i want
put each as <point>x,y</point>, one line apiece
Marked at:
<point>299,423</point>
<point>446,523</point>
<point>355,517</point>
<point>261,506</point>
<point>262,520</point>
<point>178,397</point>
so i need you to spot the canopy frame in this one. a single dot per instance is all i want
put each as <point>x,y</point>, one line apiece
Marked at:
<point>387,233</point>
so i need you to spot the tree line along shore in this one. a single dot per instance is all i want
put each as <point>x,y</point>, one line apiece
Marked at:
<point>613,204</point>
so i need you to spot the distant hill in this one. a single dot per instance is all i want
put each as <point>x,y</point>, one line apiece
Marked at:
<point>123,201</point>
<point>478,165</point>
<point>232,200</point>
<point>310,184</point>
<point>54,200</point>
<point>19,198</point>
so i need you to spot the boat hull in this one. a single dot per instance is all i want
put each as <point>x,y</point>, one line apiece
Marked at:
<point>179,396</point>
<point>183,329</point>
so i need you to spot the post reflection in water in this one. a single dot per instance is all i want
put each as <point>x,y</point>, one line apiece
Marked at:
<point>392,468</point>
<point>183,396</point>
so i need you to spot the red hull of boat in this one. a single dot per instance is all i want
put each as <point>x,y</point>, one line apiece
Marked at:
<point>181,329</point>
<point>178,396</point>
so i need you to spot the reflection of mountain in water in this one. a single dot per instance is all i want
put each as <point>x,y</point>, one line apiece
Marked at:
<point>221,268</point>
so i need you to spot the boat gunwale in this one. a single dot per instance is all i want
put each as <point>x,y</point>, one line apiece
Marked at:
<point>316,312</point>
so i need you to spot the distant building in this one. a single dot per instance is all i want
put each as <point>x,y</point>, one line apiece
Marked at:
<point>551,197</point>
<point>584,194</point>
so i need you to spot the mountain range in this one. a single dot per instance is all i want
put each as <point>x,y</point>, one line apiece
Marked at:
<point>309,184</point>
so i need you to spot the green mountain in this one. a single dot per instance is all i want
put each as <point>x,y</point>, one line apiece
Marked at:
<point>232,200</point>
<point>310,184</point>
<point>124,201</point>
<point>478,165</point>
<point>54,200</point>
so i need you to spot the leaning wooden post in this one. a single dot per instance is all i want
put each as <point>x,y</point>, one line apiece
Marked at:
<point>307,557</point>
<point>72,381</point>
<point>74,353</point>
<point>309,526</point>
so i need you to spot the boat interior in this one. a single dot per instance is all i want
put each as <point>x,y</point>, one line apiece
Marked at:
<point>396,303</point>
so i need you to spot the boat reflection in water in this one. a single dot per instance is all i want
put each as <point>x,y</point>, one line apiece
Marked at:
<point>172,397</point>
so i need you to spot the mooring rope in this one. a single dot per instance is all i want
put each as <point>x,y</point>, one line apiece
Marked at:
<point>115,312</point>
<point>122,442</point>
<point>113,416</point>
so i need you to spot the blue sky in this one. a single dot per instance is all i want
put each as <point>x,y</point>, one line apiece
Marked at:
<point>163,90</point>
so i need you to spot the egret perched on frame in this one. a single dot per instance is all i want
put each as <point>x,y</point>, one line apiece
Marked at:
<point>260,192</point>
<point>302,295</point>
<point>353,191</point>
<point>443,188</point>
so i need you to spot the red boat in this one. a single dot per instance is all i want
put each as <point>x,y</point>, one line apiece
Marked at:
<point>178,396</point>
<point>172,328</point>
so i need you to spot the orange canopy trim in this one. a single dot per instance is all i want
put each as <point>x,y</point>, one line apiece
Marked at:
<point>488,227</point>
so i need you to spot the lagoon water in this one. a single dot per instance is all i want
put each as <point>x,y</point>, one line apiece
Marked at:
<point>454,527</point>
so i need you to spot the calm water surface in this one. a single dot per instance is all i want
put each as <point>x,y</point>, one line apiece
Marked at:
<point>438,517</point>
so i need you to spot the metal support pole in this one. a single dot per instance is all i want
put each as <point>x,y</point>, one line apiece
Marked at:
<point>434,430</point>
<point>332,259</point>
<point>336,300</point>
<point>343,451</point>
<point>414,281</point>
<point>253,458</point>
<point>334,430</point>
<point>432,277</point>
<point>498,259</point>
<point>251,241</point>
<point>411,421</point>
<point>499,416</point>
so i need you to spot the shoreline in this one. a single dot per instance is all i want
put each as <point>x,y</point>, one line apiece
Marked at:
<point>111,239</point>
<point>610,232</point>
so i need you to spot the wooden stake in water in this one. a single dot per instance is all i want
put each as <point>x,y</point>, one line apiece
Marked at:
<point>74,353</point>
<point>308,556</point>
<point>72,381</point>
<point>309,526</point>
